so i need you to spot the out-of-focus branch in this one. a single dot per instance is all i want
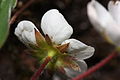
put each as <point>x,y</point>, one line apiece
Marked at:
<point>14,17</point>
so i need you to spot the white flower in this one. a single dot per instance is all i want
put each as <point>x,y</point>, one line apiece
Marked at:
<point>106,22</point>
<point>25,31</point>
<point>57,28</point>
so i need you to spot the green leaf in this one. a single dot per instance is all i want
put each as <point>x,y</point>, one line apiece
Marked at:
<point>13,3</point>
<point>5,12</point>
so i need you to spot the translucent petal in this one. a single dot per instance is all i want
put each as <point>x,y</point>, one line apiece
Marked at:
<point>103,22</point>
<point>114,9</point>
<point>25,32</point>
<point>54,24</point>
<point>78,49</point>
<point>71,73</point>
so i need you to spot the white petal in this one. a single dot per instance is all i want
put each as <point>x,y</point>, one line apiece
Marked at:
<point>78,49</point>
<point>59,76</point>
<point>98,15</point>
<point>25,32</point>
<point>71,73</point>
<point>103,21</point>
<point>56,77</point>
<point>54,24</point>
<point>114,9</point>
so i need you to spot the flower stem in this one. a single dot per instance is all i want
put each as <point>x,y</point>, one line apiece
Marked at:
<point>96,67</point>
<point>41,68</point>
<point>20,11</point>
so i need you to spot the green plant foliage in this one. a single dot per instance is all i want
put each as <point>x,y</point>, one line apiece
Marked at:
<point>5,12</point>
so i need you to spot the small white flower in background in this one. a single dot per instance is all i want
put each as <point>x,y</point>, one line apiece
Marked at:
<point>106,22</point>
<point>59,31</point>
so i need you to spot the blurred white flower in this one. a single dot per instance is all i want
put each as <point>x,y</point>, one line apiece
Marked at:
<point>57,28</point>
<point>106,22</point>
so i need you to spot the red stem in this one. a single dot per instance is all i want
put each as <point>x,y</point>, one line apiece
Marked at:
<point>41,68</point>
<point>96,67</point>
<point>20,11</point>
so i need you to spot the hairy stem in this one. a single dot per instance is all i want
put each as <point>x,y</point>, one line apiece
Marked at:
<point>41,68</point>
<point>96,67</point>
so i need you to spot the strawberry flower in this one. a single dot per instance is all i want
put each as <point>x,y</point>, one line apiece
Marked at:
<point>106,22</point>
<point>68,54</point>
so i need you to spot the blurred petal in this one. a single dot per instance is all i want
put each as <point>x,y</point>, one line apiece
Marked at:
<point>114,9</point>
<point>78,49</point>
<point>71,73</point>
<point>99,16</point>
<point>56,77</point>
<point>103,21</point>
<point>59,76</point>
<point>54,24</point>
<point>25,31</point>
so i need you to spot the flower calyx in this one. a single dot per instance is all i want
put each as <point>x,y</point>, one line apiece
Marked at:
<point>39,37</point>
<point>63,48</point>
